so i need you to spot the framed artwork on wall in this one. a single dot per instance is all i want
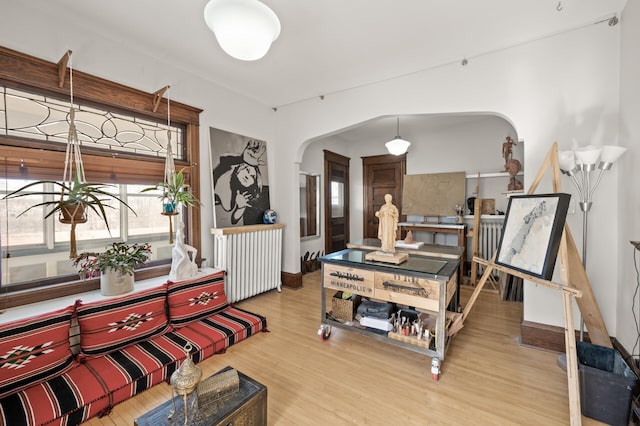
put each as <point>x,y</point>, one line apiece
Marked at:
<point>531,233</point>
<point>240,178</point>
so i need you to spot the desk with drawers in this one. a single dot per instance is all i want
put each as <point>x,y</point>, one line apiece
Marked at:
<point>428,284</point>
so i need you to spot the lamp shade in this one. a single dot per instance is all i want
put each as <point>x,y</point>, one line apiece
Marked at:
<point>611,153</point>
<point>567,160</point>
<point>244,29</point>
<point>397,146</point>
<point>588,155</point>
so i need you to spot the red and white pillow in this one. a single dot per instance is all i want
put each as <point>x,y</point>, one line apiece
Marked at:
<point>112,324</point>
<point>34,349</point>
<point>197,298</point>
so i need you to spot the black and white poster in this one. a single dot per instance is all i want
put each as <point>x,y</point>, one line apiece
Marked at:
<point>240,178</point>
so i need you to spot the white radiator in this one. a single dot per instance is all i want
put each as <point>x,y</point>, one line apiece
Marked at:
<point>489,238</point>
<point>251,257</point>
<point>490,232</point>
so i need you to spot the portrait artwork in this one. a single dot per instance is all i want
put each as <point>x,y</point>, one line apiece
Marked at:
<point>531,233</point>
<point>240,179</point>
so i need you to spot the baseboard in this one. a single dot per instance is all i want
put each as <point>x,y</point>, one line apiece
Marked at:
<point>290,280</point>
<point>551,338</point>
<point>544,336</point>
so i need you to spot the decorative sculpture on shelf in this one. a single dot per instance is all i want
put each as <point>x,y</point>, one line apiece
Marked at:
<point>184,381</point>
<point>511,165</point>
<point>183,257</point>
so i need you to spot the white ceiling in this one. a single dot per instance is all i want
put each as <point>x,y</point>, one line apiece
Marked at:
<point>330,45</point>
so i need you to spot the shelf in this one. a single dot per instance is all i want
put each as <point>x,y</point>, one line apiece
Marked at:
<point>493,174</point>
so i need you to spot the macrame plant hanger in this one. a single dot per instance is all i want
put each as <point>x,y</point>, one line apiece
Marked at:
<point>169,207</point>
<point>73,172</point>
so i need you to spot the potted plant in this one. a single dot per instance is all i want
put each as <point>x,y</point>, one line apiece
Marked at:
<point>71,202</point>
<point>115,266</point>
<point>174,192</point>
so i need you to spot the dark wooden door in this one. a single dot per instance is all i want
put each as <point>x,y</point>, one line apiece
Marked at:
<point>382,174</point>
<point>336,201</point>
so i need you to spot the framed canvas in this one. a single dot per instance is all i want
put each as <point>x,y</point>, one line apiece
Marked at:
<point>240,178</point>
<point>531,233</point>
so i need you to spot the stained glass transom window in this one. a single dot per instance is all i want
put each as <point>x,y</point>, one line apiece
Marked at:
<point>28,115</point>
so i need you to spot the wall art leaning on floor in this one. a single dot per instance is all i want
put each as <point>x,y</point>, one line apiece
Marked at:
<point>531,233</point>
<point>240,178</point>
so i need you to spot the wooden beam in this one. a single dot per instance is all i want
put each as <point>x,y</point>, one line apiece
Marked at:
<point>157,97</point>
<point>547,283</point>
<point>62,68</point>
<point>587,303</point>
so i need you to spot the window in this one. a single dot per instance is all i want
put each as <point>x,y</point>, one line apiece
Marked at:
<point>123,135</point>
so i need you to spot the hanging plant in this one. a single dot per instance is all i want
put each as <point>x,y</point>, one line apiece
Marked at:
<point>73,203</point>
<point>174,192</point>
<point>75,196</point>
<point>174,189</point>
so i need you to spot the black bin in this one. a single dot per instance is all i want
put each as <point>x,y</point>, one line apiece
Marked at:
<point>606,384</point>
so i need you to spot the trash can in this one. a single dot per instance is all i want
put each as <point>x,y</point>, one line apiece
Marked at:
<point>606,384</point>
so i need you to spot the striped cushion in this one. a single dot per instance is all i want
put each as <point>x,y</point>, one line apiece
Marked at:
<point>116,323</point>
<point>33,350</point>
<point>229,327</point>
<point>68,399</point>
<point>136,368</point>
<point>197,298</point>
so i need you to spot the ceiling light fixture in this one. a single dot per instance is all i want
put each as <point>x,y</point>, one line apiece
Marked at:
<point>244,29</point>
<point>397,146</point>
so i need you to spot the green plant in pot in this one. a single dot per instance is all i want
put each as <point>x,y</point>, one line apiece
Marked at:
<point>115,266</point>
<point>71,202</point>
<point>174,192</point>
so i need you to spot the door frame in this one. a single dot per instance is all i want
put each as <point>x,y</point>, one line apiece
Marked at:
<point>332,157</point>
<point>401,161</point>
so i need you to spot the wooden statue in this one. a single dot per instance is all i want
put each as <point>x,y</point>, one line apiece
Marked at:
<point>388,225</point>
<point>387,228</point>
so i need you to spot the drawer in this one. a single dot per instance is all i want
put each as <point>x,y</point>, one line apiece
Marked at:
<point>351,280</point>
<point>407,290</point>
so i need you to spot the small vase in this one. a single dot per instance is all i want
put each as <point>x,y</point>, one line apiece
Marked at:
<point>114,283</point>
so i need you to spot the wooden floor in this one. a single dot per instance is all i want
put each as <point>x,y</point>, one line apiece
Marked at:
<point>487,377</point>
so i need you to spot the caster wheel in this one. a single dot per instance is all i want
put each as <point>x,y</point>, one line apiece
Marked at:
<point>324,332</point>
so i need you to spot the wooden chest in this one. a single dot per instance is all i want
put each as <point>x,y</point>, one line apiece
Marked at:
<point>247,407</point>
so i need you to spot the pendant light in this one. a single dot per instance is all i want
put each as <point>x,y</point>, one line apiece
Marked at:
<point>244,29</point>
<point>397,146</point>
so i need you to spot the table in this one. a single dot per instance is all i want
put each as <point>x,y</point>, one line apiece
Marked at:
<point>426,283</point>
<point>443,228</point>
<point>429,250</point>
<point>248,406</point>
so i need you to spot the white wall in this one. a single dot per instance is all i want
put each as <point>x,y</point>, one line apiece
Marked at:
<point>629,178</point>
<point>563,88</point>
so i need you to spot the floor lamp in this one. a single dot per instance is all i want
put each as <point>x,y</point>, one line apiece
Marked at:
<point>578,164</point>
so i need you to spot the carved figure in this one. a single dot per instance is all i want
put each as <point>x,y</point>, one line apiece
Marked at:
<point>183,257</point>
<point>506,150</point>
<point>388,225</point>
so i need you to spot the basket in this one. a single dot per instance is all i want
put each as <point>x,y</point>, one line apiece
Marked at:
<point>344,309</point>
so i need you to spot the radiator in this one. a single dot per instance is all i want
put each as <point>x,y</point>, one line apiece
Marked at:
<point>490,232</point>
<point>251,257</point>
<point>489,238</point>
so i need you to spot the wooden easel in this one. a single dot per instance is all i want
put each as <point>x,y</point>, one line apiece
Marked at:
<point>475,239</point>
<point>574,283</point>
